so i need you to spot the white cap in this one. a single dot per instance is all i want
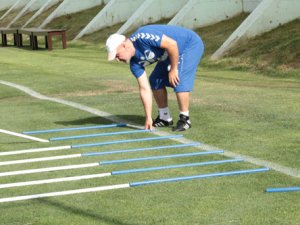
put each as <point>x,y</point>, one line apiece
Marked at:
<point>112,43</point>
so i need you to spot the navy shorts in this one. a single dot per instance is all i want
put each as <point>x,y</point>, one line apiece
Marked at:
<point>187,65</point>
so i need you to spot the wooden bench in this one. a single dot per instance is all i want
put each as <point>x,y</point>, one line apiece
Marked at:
<point>47,33</point>
<point>5,32</point>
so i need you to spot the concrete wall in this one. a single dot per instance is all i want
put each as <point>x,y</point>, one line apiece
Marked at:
<point>44,7</point>
<point>6,4</point>
<point>268,15</point>
<point>71,6</point>
<point>151,11</point>
<point>189,13</point>
<point>250,5</point>
<point>35,5</point>
<point>31,6</point>
<point>200,13</point>
<point>113,13</point>
<point>20,4</point>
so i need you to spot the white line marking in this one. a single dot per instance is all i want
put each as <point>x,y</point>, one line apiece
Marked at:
<point>22,136</point>
<point>282,169</point>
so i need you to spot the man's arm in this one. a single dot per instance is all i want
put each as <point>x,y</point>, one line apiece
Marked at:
<point>146,97</point>
<point>171,47</point>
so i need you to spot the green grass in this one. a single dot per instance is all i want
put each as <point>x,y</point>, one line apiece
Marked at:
<point>244,112</point>
<point>21,21</point>
<point>2,12</point>
<point>278,48</point>
<point>214,36</point>
<point>275,53</point>
<point>8,18</point>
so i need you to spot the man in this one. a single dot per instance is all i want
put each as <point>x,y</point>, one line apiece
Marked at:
<point>177,52</point>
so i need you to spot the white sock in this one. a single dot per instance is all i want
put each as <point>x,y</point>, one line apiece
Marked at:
<point>164,114</point>
<point>187,113</point>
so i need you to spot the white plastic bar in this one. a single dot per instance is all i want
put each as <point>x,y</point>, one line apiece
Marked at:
<point>117,172</point>
<point>42,159</point>
<point>132,184</point>
<point>49,169</point>
<point>22,136</point>
<point>61,193</point>
<point>17,152</point>
<point>55,180</point>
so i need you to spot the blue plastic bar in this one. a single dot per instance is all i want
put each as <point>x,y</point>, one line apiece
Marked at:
<point>201,176</point>
<point>284,189</point>
<point>74,128</point>
<point>125,141</point>
<point>98,135</point>
<point>120,172</point>
<point>139,149</point>
<point>159,157</point>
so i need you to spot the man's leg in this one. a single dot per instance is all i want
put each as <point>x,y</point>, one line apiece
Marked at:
<point>164,118</point>
<point>184,122</point>
<point>161,97</point>
<point>158,81</point>
<point>183,101</point>
<point>187,67</point>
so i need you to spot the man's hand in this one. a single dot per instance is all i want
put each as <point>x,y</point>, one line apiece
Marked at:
<point>146,97</point>
<point>173,77</point>
<point>148,124</point>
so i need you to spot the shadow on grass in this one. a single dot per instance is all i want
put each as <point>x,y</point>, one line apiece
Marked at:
<point>82,212</point>
<point>97,120</point>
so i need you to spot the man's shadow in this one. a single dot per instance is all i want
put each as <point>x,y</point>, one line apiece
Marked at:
<point>69,209</point>
<point>82,212</point>
<point>97,120</point>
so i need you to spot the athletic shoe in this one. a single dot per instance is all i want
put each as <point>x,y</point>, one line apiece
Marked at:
<point>183,123</point>
<point>162,123</point>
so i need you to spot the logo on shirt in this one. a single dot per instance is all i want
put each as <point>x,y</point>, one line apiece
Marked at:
<point>151,37</point>
<point>149,55</point>
<point>148,58</point>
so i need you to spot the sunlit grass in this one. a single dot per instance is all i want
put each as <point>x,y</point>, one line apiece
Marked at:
<point>242,112</point>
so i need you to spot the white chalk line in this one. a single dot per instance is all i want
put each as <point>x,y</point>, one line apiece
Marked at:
<point>293,172</point>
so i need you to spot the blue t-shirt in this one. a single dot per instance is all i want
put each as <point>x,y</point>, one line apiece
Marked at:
<point>147,40</point>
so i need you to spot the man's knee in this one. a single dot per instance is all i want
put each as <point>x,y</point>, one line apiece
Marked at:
<point>157,83</point>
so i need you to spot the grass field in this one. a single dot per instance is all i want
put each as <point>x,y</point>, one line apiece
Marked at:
<point>239,110</point>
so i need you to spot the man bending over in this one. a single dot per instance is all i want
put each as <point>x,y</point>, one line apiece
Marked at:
<point>177,52</point>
